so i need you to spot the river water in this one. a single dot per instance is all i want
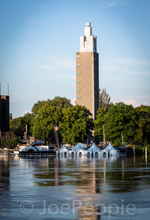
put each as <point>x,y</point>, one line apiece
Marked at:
<point>75,188</point>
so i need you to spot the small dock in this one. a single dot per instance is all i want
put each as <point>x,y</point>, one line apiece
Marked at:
<point>37,154</point>
<point>10,152</point>
<point>6,152</point>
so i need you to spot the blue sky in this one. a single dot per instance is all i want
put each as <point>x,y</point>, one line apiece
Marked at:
<point>39,39</point>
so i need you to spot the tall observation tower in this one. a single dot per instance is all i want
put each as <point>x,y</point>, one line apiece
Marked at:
<point>87,72</point>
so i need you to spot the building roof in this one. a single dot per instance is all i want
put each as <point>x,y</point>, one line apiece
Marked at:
<point>94,148</point>
<point>109,148</point>
<point>63,148</point>
<point>78,148</point>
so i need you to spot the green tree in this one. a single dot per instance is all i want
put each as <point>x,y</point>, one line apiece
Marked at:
<point>121,119</point>
<point>117,142</point>
<point>43,127</point>
<point>19,124</point>
<point>143,108</point>
<point>143,132</point>
<point>9,138</point>
<point>10,116</point>
<point>39,105</point>
<point>104,99</point>
<point>76,123</point>
<point>59,102</point>
<point>99,122</point>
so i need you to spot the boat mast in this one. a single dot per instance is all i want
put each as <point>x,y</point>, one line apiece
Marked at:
<point>122,139</point>
<point>103,135</point>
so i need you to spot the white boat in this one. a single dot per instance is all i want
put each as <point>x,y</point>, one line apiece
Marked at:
<point>32,149</point>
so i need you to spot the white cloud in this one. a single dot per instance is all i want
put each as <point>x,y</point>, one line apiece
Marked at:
<point>134,102</point>
<point>115,69</point>
<point>58,64</point>
<point>46,67</point>
<point>110,3</point>
<point>118,60</point>
<point>48,76</point>
<point>73,101</point>
<point>136,72</point>
<point>62,63</point>
<point>125,65</point>
<point>145,103</point>
<point>131,61</point>
<point>25,112</point>
<point>65,76</point>
<point>109,68</point>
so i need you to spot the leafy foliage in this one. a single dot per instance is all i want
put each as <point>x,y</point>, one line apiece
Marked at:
<point>133,123</point>
<point>59,102</point>
<point>9,138</point>
<point>99,122</point>
<point>143,108</point>
<point>148,148</point>
<point>43,127</point>
<point>143,132</point>
<point>104,99</point>
<point>19,124</point>
<point>39,105</point>
<point>121,119</point>
<point>117,142</point>
<point>75,124</point>
<point>12,143</point>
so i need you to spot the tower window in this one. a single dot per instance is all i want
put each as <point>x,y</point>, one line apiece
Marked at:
<point>78,89</point>
<point>78,64</point>
<point>78,81</point>
<point>78,72</point>
<point>79,97</point>
<point>78,56</point>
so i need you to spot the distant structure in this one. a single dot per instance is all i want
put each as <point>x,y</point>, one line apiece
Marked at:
<point>4,113</point>
<point>87,72</point>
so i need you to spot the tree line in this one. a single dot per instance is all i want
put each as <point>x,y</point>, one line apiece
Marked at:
<point>75,122</point>
<point>133,124</point>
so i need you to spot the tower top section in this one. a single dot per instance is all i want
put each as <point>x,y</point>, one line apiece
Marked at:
<point>88,42</point>
<point>88,24</point>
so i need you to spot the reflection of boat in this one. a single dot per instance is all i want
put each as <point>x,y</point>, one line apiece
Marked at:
<point>16,152</point>
<point>123,150</point>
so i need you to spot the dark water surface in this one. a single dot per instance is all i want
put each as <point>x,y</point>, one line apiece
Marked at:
<point>75,188</point>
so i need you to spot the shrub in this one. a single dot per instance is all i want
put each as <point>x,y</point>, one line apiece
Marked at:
<point>12,143</point>
<point>117,142</point>
<point>148,148</point>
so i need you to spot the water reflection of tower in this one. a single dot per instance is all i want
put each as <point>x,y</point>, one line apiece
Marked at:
<point>4,174</point>
<point>89,210</point>
<point>56,162</point>
<point>87,180</point>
